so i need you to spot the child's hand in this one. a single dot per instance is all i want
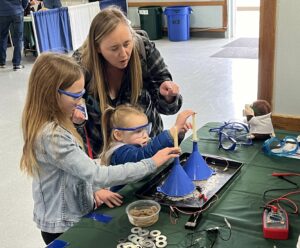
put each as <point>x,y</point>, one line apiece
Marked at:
<point>111,199</point>
<point>78,117</point>
<point>162,156</point>
<point>181,124</point>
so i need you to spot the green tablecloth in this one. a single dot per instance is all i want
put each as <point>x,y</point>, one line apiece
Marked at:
<point>240,203</point>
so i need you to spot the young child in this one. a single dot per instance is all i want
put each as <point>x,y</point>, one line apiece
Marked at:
<point>64,177</point>
<point>126,135</point>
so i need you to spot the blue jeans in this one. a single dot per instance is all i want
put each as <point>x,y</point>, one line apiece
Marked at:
<point>17,26</point>
<point>52,4</point>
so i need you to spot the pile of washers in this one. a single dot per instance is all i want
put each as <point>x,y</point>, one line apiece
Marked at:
<point>143,238</point>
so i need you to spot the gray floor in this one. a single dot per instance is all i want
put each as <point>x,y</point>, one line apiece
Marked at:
<point>216,88</point>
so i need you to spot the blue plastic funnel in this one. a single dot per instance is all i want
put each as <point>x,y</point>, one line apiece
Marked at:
<point>178,183</point>
<point>195,167</point>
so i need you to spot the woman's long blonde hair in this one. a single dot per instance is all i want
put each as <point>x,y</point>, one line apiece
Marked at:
<point>116,117</point>
<point>103,24</point>
<point>50,72</point>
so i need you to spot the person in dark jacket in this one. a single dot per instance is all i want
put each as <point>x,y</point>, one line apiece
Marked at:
<point>123,66</point>
<point>126,135</point>
<point>12,15</point>
<point>52,4</point>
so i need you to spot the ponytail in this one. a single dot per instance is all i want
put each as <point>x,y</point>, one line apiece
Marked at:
<point>107,133</point>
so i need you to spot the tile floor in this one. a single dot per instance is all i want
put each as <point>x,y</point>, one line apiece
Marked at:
<point>213,87</point>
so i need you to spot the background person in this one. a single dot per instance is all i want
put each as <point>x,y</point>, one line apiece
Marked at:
<point>123,66</point>
<point>12,15</point>
<point>52,4</point>
<point>64,177</point>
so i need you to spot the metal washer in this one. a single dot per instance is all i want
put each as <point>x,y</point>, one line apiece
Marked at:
<point>160,238</point>
<point>125,245</point>
<point>161,244</point>
<point>136,229</point>
<point>143,232</point>
<point>155,233</point>
<point>136,240</point>
<point>132,236</point>
<point>147,244</point>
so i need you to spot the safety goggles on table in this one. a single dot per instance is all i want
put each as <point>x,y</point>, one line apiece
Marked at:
<point>281,147</point>
<point>232,134</point>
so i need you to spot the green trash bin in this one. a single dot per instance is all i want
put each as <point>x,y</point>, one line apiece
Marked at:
<point>151,21</point>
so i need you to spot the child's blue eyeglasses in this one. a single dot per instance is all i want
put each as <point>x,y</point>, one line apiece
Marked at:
<point>231,134</point>
<point>282,148</point>
<point>75,96</point>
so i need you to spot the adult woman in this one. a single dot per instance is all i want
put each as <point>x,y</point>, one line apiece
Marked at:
<point>123,66</point>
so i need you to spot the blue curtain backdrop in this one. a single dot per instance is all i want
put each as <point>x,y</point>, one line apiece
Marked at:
<point>53,30</point>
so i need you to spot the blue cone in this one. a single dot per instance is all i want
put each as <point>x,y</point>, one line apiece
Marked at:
<point>195,167</point>
<point>178,183</point>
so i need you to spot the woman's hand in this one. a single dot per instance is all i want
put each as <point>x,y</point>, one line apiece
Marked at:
<point>169,90</point>
<point>108,197</point>
<point>162,156</point>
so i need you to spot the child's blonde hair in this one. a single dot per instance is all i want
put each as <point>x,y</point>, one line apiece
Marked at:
<point>116,117</point>
<point>50,72</point>
<point>105,22</point>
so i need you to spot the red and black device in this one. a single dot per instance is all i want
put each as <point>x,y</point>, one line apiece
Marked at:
<point>275,223</point>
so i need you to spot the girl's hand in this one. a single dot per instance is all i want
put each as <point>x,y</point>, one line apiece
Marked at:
<point>162,156</point>
<point>78,117</point>
<point>169,90</point>
<point>111,199</point>
<point>181,122</point>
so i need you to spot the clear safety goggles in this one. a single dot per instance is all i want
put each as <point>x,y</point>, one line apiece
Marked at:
<point>281,147</point>
<point>232,134</point>
<point>138,131</point>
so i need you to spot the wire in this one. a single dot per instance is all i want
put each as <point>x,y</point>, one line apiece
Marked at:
<point>221,158</point>
<point>212,234</point>
<point>199,211</point>
<point>283,197</point>
<point>280,189</point>
<point>278,174</point>
<point>173,216</point>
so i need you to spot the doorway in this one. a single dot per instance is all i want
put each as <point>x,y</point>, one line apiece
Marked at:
<point>247,18</point>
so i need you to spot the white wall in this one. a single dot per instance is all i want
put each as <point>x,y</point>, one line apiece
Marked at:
<point>286,95</point>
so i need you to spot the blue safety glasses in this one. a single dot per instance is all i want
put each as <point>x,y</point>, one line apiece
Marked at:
<point>139,130</point>
<point>281,147</point>
<point>232,134</point>
<point>75,96</point>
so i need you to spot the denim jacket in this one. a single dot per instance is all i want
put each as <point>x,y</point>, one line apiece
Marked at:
<point>63,187</point>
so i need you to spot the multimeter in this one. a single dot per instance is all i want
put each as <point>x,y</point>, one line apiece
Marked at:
<point>275,223</point>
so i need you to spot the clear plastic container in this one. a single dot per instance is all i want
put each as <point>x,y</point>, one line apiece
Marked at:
<point>143,213</point>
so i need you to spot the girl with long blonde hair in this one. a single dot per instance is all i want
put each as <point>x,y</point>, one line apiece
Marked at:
<point>64,177</point>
